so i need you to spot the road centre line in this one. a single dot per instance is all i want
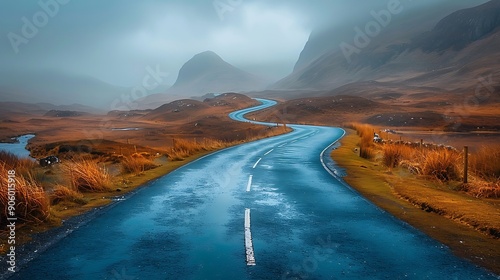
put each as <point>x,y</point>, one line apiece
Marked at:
<point>249,185</point>
<point>257,163</point>
<point>269,152</point>
<point>248,240</point>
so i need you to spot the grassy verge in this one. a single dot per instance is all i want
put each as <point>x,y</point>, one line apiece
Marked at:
<point>121,185</point>
<point>466,224</point>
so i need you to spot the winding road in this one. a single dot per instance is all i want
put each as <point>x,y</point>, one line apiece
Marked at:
<point>263,210</point>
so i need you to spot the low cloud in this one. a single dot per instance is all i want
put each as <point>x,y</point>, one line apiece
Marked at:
<point>115,40</point>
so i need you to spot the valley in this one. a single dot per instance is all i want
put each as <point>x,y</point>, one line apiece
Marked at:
<point>250,140</point>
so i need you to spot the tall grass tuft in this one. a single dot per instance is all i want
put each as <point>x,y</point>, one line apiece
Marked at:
<point>63,193</point>
<point>485,163</point>
<point>485,168</point>
<point>366,145</point>
<point>87,176</point>
<point>480,188</point>
<point>21,165</point>
<point>442,164</point>
<point>367,152</point>
<point>394,154</point>
<point>31,202</point>
<point>137,164</point>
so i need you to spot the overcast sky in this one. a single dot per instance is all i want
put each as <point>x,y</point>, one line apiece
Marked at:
<point>115,40</point>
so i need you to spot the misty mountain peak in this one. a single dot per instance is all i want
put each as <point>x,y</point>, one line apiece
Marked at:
<point>200,65</point>
<point>208,55</point>
<point>462,28</point>
<point>441,55</point>
<point>208,58</point>
<point>207,72</point>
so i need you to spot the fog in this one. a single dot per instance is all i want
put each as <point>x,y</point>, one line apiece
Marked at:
<point>116,40</point>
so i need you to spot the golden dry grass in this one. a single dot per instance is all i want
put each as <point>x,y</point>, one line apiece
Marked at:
<point>21,165</point>
<point>31,202</point>
<point>442,164</point>
<point>137,164</point>
<point>63,193</point>
<point>394,154</point>
<point>437,162</point>
<point>366,145</point>
<point>469,226</point>
<point>485,168</point>
<point>485,163</point>
<point>87,176</point>
<point>183,148</point>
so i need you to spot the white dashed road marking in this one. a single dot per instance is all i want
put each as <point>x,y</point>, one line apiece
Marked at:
<point>257,163</point>
<point>248,240</point>
<point>249,185</point>
<point>269,152</point>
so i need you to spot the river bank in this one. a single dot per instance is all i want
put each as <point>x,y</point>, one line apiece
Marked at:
<point>452,218</point>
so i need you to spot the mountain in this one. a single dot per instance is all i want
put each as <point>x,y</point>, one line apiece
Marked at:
<point>207,73</point>
<point>451,51</point>
<point>461,28</point>
<point>58,88</point>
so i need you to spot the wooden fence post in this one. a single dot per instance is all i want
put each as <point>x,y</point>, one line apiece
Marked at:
<point>466,163</point>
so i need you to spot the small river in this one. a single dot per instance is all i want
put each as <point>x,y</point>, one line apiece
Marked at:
<point>19,147</point>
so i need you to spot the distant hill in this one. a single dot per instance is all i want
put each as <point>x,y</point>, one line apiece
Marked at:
<point>176,110</point>
<point>193,109</point>
<point>58,88</point>
<point>8,109</point>
<point>333,110</point>
<point>207,73</point>
<point>64,114</point>
<point>450,52</point>
<point>72,107</point>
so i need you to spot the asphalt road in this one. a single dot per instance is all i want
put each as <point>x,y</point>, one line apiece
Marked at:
<point>303,222</point>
